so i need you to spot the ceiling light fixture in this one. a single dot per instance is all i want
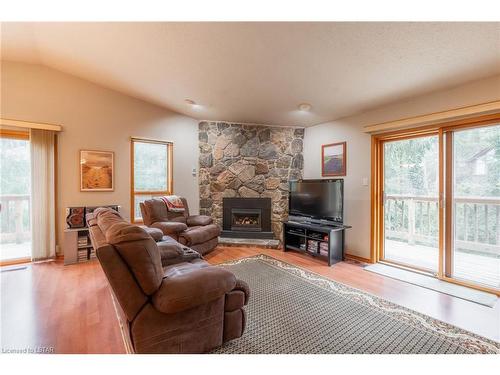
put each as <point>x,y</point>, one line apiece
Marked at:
<point>304,107</point>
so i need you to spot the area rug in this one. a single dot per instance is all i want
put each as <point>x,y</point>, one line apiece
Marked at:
<point>292,310</point>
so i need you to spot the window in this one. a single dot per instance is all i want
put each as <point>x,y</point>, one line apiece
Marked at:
<point>151,173</point>
<point>15,195</point>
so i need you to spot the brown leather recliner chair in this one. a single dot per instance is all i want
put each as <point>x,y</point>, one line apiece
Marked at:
<point>196,231</point>
<point>170,300</point>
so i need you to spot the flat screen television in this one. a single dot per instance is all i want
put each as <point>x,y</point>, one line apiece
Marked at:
<point>317,199</point>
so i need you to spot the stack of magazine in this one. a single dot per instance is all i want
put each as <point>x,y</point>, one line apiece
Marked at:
<point>323,248</point>
<point>82,255</point>
<point>312,246</point>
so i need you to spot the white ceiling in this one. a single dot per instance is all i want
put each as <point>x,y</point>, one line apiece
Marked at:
<point>260,72</point>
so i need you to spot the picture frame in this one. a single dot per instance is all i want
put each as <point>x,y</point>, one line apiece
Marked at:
<point>97,170</point>
<point>334,159</point>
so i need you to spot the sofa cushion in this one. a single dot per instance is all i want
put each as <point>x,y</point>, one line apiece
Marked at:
<point>155,210</point>
<point>199,234</point>
<point>183,267</point>
<point>156,233</point>
<point>143,259</point>
<point>123,232</point>
<point>186,290</point>
<point>205,247</point>
<point>106,217</point>
<point>139,251</point>
<point>169,227</point>
<point>196,220</point>
<point>172,252</point>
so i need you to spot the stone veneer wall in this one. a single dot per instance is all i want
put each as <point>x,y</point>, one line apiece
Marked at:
<point>239,160</point>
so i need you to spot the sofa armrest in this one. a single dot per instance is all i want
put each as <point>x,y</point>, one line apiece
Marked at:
<point>243,286</point>
<point>187,290</point>
<point>156,233</point>
<point>169,227</point>
<point>173,253</point>
<point>237,297</point>
<point>196,220</point>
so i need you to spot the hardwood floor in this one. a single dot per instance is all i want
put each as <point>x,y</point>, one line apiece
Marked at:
<point>69,308</point>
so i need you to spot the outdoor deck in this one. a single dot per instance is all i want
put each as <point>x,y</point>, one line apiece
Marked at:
<point>12,251</point>
<point>484,269</point>
<point>15,233</point>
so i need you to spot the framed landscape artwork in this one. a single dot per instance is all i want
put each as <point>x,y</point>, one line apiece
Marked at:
<point>96,170</point>
<point>333,159</point>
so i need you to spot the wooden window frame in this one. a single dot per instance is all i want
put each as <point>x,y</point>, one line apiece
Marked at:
<point>445,133</point>
<point>15,134</point>
<point>170,179</point>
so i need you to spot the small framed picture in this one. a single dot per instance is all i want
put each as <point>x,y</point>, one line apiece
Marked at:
<point>333,159</point>
<point>96,170</point>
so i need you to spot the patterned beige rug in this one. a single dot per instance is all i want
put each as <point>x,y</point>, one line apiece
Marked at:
<point>292,310</point>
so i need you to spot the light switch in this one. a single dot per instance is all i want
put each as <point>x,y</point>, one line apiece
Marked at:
<point>193,172</point>
<point>365,181</point>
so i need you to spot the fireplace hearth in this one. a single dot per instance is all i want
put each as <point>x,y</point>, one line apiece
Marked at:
<point>247,218</point>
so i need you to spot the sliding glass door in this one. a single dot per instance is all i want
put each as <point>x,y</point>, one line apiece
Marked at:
<point>474,249</point>
<point>436,200</point>
<point>15,232</point>
<point>410,202</point>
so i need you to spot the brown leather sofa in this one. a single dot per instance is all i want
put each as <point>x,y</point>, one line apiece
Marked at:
<point>196,231</point>
<point>169,299</point>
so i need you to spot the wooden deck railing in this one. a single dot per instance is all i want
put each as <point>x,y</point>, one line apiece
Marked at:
<point>14,218</point>
<point>415,219</point>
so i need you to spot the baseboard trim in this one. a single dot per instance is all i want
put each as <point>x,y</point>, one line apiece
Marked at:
<point>358,259</point>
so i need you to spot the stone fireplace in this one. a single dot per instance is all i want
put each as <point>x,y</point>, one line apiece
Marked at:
<point>248,161</point>
<point>247,218</point>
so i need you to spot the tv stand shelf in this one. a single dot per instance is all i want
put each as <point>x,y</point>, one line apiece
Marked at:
<point>319,240</point>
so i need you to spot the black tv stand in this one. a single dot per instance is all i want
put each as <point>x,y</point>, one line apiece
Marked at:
<point>321,240</point>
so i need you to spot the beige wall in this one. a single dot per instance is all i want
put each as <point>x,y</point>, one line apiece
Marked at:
<point>357,196</point>
<point>96,118</point>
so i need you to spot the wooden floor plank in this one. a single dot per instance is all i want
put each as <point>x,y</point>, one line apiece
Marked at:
<point>70,309</point>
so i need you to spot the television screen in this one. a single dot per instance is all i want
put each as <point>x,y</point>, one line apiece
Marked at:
<point>318,199</point>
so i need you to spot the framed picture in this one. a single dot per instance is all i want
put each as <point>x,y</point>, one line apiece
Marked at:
<point>96,170</point>
<point>333,159</point>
